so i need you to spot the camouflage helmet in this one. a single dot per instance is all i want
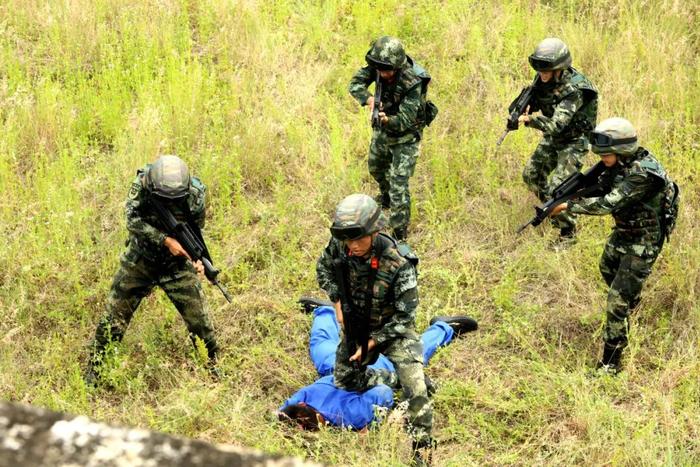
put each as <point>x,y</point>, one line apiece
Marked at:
<point>357,216</point>
<point>614,136</point>
<point>387,53</point>
<point>549,55</point>
<point>168,177</point>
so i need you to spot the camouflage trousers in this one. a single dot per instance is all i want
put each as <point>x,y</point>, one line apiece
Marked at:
<point>134,280</point>
<point>551,164</point>
<point>407,356</point>
<point>624,266</point>
<point>392,165</point>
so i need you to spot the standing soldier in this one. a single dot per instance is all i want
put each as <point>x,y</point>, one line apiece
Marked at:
<point>568,103</point>
<point>371,279</point>
<point>644,203</point>
<point>154,258</point>
<point>400,112</point>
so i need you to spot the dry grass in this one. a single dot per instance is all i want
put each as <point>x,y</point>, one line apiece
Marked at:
<point>253,95</point>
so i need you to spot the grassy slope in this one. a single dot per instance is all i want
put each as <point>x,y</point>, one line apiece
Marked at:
<point>254,97</point>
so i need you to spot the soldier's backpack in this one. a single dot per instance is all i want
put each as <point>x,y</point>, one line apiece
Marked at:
<point>671,202</point>
<point>429,110</point>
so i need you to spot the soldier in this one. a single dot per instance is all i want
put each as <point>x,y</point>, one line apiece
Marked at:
<point>403,113</point>
<point>568,103</point>
<point>382,290</point>
<point>154,258</point>
<point>644,203</point>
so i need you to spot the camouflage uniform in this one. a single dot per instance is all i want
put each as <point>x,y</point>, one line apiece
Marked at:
<point>636,201</point>
<point>394,299</point>
<point>394,147</point>
<point>569,108</point>
<point>147,263</point>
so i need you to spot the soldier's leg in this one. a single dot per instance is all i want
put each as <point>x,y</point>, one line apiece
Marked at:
<point>536,170</point>
<point>623,297</point>
<point>130,285</point>
<point>185,291</point>
<point>609,262</point>
<point>379,162</point>
<point>407,356</point>
<point>403,164</point>
<point>569,161</point>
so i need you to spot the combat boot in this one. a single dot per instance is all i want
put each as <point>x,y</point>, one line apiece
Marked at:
<point>212,363</point>
<point>401,234</point>
<point>309,304</point>
<point>610,363</point>
<point>423,452</point>
<point>383,200</point>
<point>460,324</point>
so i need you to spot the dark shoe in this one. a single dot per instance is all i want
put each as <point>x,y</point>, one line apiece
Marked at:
<point>383,200</point>
<point>610,363</point>
<point>423,452</point>
<point>309,304</point>
<point>460,324</point>
<point>401,234</point>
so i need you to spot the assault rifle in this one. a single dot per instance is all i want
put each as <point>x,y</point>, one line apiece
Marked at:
<point>191,240</point>
<point>376,121</point>
<point>577,185</point>
<point>517,108</point>
<point>352,336</point>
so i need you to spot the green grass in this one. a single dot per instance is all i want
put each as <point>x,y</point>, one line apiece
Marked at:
<point>253,96</point>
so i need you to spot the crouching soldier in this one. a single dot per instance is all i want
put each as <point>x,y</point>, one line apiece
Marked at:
<point>153,258</point>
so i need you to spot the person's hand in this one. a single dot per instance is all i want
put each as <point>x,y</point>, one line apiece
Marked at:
<point>558,209</point>
<point>525,118</point>
<point>175,248</point>
<point>383,118</point>
<point>371,343</point>
<point>370,104</point>
<point>198,266</point>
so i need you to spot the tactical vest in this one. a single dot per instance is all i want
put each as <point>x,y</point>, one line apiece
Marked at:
<point>654,217</point>
<point>584,120</point>
<point>392,95</point>
<point>392,257</point>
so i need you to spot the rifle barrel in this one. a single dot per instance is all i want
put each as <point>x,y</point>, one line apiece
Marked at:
<point>503,136</point>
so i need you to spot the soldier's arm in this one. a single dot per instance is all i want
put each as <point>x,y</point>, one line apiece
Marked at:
<point>325,274</point>
<point>405,305</point>
<point>134,222</point>
<point>563,113</point>
<point>632,189</point>
<point>359,83</point>
<point>407,115</point>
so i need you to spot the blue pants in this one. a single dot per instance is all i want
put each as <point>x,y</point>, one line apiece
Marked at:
<point>325,337</point>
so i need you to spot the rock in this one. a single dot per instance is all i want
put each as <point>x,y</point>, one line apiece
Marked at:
<point>35,437</point>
